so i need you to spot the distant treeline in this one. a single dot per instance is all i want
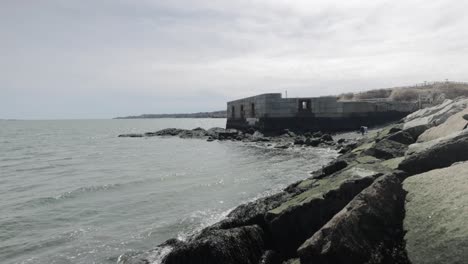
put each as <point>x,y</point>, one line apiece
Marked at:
<point>216,114</point>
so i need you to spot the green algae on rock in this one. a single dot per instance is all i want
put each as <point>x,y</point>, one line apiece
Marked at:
<point>436,215</point>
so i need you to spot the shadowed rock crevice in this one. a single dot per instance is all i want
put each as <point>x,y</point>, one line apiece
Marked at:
<point>368,230</point>
<point>296,220</point>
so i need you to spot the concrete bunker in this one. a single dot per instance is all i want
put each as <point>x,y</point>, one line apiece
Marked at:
<point>272,113</point>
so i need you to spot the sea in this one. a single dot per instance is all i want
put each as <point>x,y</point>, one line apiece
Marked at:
<point>72,191</point>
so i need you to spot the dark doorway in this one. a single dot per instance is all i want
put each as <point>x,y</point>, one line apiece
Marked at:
<point>242,111</point>
<point>305,105</point>
<point>252,110</point>
<point>233,112</point>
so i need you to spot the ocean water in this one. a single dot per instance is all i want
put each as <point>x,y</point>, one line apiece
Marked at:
<point>73,192</point>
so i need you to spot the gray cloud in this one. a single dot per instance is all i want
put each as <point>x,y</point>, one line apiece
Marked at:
<point>83,59</point>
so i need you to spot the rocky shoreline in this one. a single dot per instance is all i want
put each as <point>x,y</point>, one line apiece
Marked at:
<point>398,195</point>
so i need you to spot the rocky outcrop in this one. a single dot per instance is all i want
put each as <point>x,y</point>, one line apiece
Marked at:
<point>369,227</point>
<point>242,245</point>
<point>436,215</point>
<point>436,115</point>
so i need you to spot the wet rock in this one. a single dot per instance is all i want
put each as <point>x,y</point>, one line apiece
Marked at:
<point>270,257</point>
<point>440,155</point>
<point>253,213</point>
<point>369,227</point>
<point>259,137</point>
<point>326,138</point>
<point>333,167</point>
<point>196,133</point>
<point>299,217</point>
<point>386,149</point>
<point>299,140</point>
<point>282,145</point>
<point>436,215</point>
<point>402,137</point>
<point>131,135</point>
<point>317,134</point>
<point>169,132</point>
<point>210,139</point>
<point>242,245</point>
<point>341,141</point>
<point>313,142</point>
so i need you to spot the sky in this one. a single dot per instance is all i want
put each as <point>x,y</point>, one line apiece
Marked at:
<point>62,59</point>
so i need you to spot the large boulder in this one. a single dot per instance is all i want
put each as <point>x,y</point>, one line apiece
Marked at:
<point>440,155</point>
<point>403,137</point>
<point>242,245</point>
<point>386,149</point>
<point>368,228</point>
<point>436,216</point>
<point>295,220</point>
<point>453,124</point>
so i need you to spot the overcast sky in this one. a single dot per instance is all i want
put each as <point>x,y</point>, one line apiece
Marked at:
<point>106,58</point>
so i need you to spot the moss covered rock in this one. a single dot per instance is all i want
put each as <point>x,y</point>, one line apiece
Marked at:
<point>436,215</point>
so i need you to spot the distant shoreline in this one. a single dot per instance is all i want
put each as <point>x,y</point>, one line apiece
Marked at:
<point>215,114</point>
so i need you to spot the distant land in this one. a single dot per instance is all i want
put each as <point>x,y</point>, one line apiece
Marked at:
<point>215,114</point>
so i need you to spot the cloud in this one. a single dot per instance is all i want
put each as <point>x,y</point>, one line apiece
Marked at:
<point>212,51</point>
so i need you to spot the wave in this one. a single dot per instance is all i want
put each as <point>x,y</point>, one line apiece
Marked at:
<point>70,195</point>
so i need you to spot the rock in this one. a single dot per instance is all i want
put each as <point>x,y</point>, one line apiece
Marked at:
<point>395,129</point>
<point>317,134</point>
<point>437,156</point>
<point>341,141</point>
<point>416,131</point>
<point>386,149</point>
<point>152,256</point>
<point>370,226</point>
<point>282,145</point>
<point>402,137</point>
<point>436,215</point>
<point>453,124</point>
<point>253,213</point>
<point>259,137</point>
<point>326,138</point>
<point>210,139</point>
<point>242,245</point>
<point>169,132</point>
<point>270,257</point>
<point>131,135</point>
<point>434,116</point>
<point>333,167</point>
<point>228,134</point>
<point>299,140</point>
<point>299,217</point>
<point>465,117</point>
<point>199,133</point>
<point>313,142</point>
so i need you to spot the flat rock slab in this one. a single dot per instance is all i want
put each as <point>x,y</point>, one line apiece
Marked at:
<point>437,216</point>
